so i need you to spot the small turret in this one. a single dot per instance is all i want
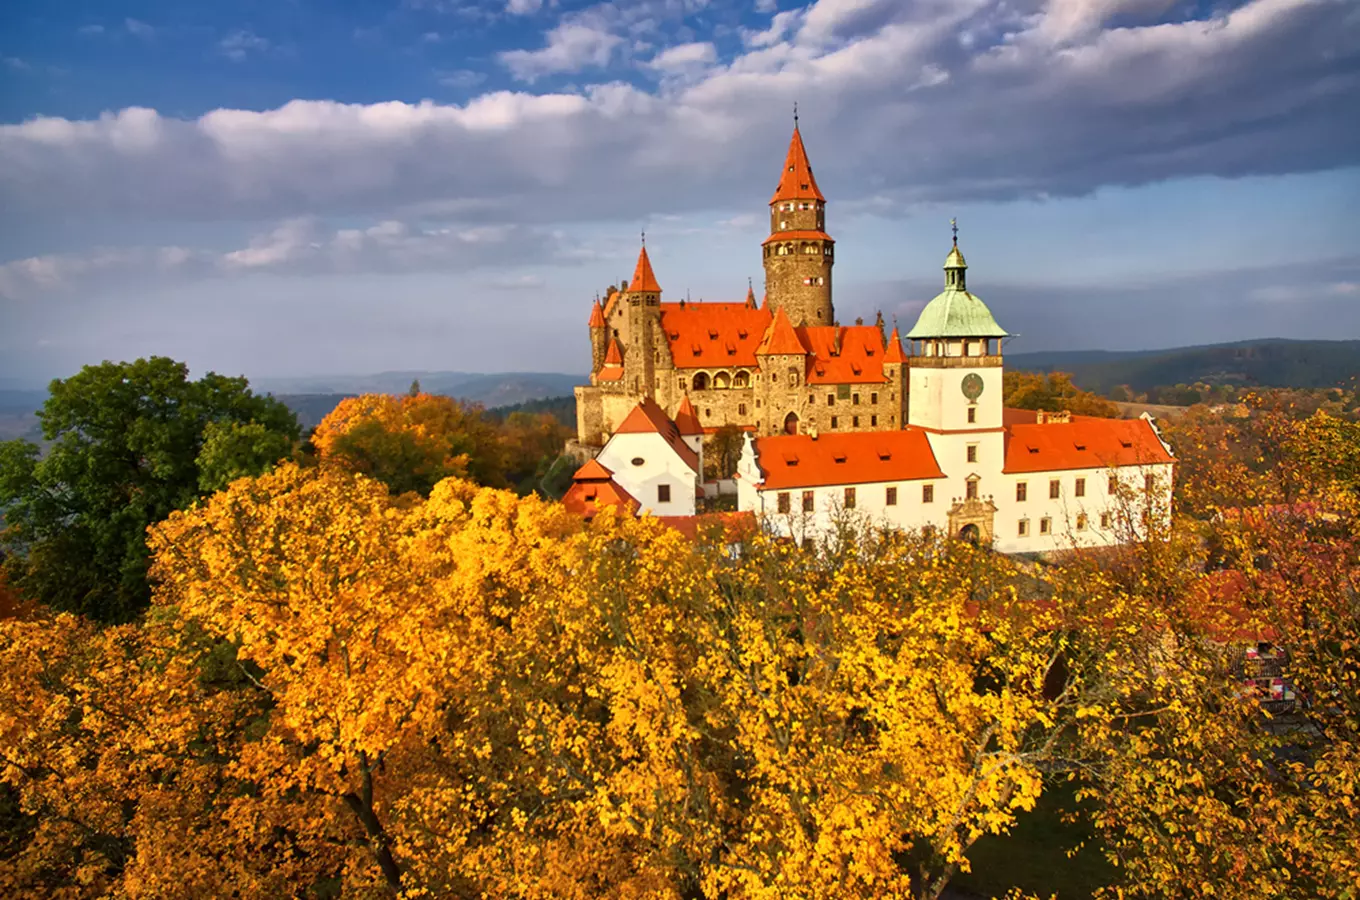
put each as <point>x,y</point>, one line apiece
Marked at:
<point>599,336</point>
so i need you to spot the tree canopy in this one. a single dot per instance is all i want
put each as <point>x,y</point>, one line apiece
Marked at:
<point>125,446</point>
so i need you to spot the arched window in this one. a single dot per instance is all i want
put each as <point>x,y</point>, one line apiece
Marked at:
<point>742,380</point>
<point>701,381</point>
<point>722,381</point>
<point>793,376</point>
<point>791,423</point>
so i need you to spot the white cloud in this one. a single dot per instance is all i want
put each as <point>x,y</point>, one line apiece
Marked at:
<point>782,24</point>
<point>461,79</point>
<point>15,63</point>
<point>684,56</point>
<point>240,44</point>
<point>138,28</point>
<point>523,7</point>
<point>571,47</point>
<point>766,6</point>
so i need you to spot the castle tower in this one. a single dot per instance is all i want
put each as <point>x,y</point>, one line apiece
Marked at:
<point>643,311</point>
<point>895,368</point>
<point>783,358</point>
<point>799,253</point>
<point>599,337</point>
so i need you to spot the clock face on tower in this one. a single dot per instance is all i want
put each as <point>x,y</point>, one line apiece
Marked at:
<point>972,385</point>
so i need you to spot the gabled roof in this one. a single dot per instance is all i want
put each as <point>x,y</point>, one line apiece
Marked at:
<point>647,417</point>
<point>597,314</point>
<point>844,354</point>
<point>612,370</point>
<point>593,470</point>
<point>686,419</point>
<point>1085,442</point>
<point>781,337</point>
<point>644,279</point>
<point>853,457</point>
<point>585,497</point>
<point>708,335</point>
<point>796,181</point>
<point>894,353</point>
<point>729,527</point>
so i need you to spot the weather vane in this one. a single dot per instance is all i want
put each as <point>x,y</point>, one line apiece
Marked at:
<point>954,224</point>
<point>795,114</point>
<point>644,237</point>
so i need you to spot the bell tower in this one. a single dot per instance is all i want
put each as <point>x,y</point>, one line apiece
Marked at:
<point>799,253</point>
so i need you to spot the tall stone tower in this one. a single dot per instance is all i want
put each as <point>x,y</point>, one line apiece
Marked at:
<point>643,311</point>
<point>799,253</point>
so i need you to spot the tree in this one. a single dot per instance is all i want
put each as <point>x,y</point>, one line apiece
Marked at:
<point>410,443</point>
<point>723,452</point>
<point>234,450</point>
<point>126,444</point>
<point>1053,392</point>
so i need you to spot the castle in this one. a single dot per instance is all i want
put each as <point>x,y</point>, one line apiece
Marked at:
<point>840,421</point>
<point>783,367</point>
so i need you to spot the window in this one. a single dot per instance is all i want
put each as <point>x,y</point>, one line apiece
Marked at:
<point>1104,520</point>
<point>638,461</point>
<point>891,498</point>
<point>808,501</point>
<point>873,398</point>
<point>811,399</point>
<point>663,493</point>
<point>830,399</point>
<point>928,493</point>
<point>873,421</point>
<point>1080,487</point>
<point>1054,489</point>
<point>972,452</point>
<point>783,501</point>
<point>1081,521</point>
<point>849,498</point>
<point>1022,527</point>
<point>1114,484</point>
<point>707,412</point>
<point>833,422</point>
<point>1149,482</point>
<point>741,409</point>
<point>970,492</point>
<point>972,415</point>
<point>1045,525</point>
<point>854,398</point>
<point>854,421</point>
<point>1021,492</point>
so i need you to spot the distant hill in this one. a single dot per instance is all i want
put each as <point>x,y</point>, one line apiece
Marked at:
<point>1262,363</point>
<point>495,389</point>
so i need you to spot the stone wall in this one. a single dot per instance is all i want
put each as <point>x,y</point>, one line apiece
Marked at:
<point>798,279</point>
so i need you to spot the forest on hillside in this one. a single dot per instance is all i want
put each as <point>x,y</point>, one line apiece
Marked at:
<point>241,664</point>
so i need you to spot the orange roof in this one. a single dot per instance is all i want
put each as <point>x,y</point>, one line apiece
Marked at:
<point>648,417</point>
<point>844,354</point>
<point>597,314</point>
<point>852,457</point>
<point>750,297</point>
<point>704,335</point>
<point>781,337</point>
<point>796,182</point>
<point>613,356</point>
<point>1085,442</point>
<point>686,419</point>
<point>644,279</point>
<point>584,498</point>
<point>894,354</point>
<point>593,470</point>
<point>798,236</point>
<point>735,526</point>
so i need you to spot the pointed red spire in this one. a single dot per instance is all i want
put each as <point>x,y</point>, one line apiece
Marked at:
<point>796,181</point>
<point>686,419</point>
<point>765,302</point>
<point>894,354</point>
<point>644,279</point>
<point>750,297</point>
<point>781,338</point>
<point>613,356</point>
<point>597,315</point>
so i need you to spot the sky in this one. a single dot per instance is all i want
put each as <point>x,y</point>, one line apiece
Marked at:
<point>302,187</point>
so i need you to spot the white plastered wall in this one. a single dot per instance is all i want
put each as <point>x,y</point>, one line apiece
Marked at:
<point>660,465</point>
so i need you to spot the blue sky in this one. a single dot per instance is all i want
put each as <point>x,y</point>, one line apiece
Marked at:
<point>303,187</point>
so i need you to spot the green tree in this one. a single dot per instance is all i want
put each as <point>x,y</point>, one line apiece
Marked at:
<point>233,450</point>
<point>126,445</point>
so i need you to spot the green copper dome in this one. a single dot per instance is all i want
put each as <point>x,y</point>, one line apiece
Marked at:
<point>954,312</point>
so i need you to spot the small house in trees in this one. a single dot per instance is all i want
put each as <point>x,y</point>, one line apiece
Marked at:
<point>648,466</point>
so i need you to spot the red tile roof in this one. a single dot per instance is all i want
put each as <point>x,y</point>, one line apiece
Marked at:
<point>750,297</point>
<point>686,419</point>
<point>644,279</point>
<point>735,526</point>
<point>596,315</point>
<point>855,457</point>
<point>593,487</point>
<point>1085,442</point>
<point>613,356</point>
<point>796,182</point>
<point>798,236</point>
<point>704,335</point>
<point>844,354</point>
<point>649,417</point>
<point>894,354</point>
<point>781,337</point>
